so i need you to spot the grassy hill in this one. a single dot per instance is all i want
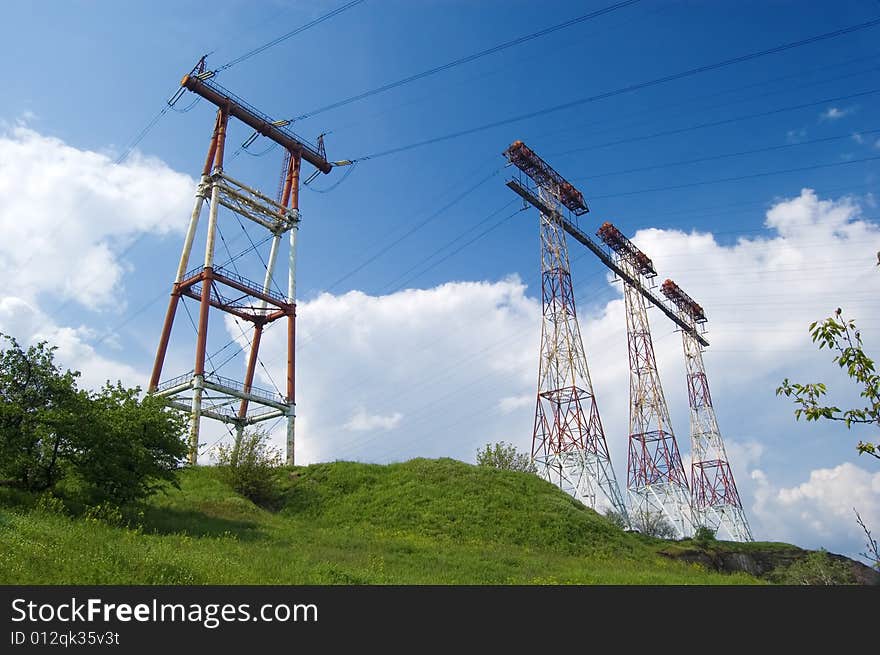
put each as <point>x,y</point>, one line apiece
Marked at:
<point>419,522</point>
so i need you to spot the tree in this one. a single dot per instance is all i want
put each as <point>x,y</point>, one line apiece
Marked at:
<point>503,455</point>
<point>872,552</point>
<point>39,408</point>
<point>110,446</point>
<point>125,447</point>
<point>841,335</point>
<point>249,466</point>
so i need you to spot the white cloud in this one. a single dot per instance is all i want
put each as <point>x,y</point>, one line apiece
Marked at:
<point>29,325</point>
<point>835,113</point>
<point>743,455</point>
<point>858,138</point>
<point>361,421</point>
<point>65,212</point>
<point>819,512</point>
<point>511,403</point>
<point>430,357</point>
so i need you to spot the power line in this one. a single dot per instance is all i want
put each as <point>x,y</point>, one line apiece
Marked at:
<point>725,121</point>
<point>739,98</point>
<point>735,179</point>
<point>630,88</point>
<point>505,63</point>
<point>413,229</point>
<point>142,135</point>
<point>169,105</point>
<point>469,58</point>
<point>284,37</point>
<point>727,155</point>
<point>393,286</point>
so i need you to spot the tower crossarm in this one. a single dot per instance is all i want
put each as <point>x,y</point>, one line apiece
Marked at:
<point>525,159</point>
<point>201,84</point>
<point>626,249</point>
<point>582,237</point>
<point>254,205</point>
<point>683,301</point>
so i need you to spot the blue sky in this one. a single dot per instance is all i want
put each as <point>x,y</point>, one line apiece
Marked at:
<point>440,369</point>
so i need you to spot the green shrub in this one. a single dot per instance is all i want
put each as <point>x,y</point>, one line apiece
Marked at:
<point>704,535</point>
<point>250,467</point>
<point>503,455</point>
<point>105,446</point>
<point>48,503</point>
<point>817,568</point>
<point>104,513</point>
<point>617,519</point>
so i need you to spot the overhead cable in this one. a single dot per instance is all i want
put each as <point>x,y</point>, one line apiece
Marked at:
<point>629,88</point>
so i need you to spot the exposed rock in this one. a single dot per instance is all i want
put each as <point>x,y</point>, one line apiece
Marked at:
<point>760,563</point>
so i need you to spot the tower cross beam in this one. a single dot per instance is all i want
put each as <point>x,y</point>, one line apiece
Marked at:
<point>582,237</point>
<point>201,85</point>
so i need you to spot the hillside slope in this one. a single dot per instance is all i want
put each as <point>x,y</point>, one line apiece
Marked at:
<point>419,522</point>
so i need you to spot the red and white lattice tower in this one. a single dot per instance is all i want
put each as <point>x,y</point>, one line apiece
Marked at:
<point>218,286</point>
<point>568,442</point>
<point>715,499</point>
<point>656,479</point>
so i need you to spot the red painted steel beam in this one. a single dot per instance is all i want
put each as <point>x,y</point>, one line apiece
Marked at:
<point>215,94</point>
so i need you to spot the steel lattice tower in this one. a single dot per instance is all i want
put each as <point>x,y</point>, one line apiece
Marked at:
<point>568,442</point>
<point>203,393</point>
<point>656,479</point>
<point>715,499</point>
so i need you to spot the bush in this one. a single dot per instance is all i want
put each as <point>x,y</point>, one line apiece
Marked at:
<point>618,519</point>
<point>817,568</point>
<point>704,535</point>
<point>106,446</point>
<point>127,447</point>
<point>503,455</point>
<point>250,466</point>
<point>107,513</point>
<point>48,503</point>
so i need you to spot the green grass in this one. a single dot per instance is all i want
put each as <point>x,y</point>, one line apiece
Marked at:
<point>419,522</point>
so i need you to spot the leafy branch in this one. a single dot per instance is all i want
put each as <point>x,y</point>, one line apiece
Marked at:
<point>842,336</point>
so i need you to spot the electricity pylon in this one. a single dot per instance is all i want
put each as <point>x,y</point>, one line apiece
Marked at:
<point>568,441</point>
<point>220,286</point>
<point>656,479</point>
<point>715,499</point>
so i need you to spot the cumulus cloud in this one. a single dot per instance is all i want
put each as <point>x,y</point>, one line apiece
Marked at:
<point>511,403</point>
<point>819,511</point>
<point>431,366</point>
<point>361,421</point>
<point>29,325</point>
<point>66,212</point>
